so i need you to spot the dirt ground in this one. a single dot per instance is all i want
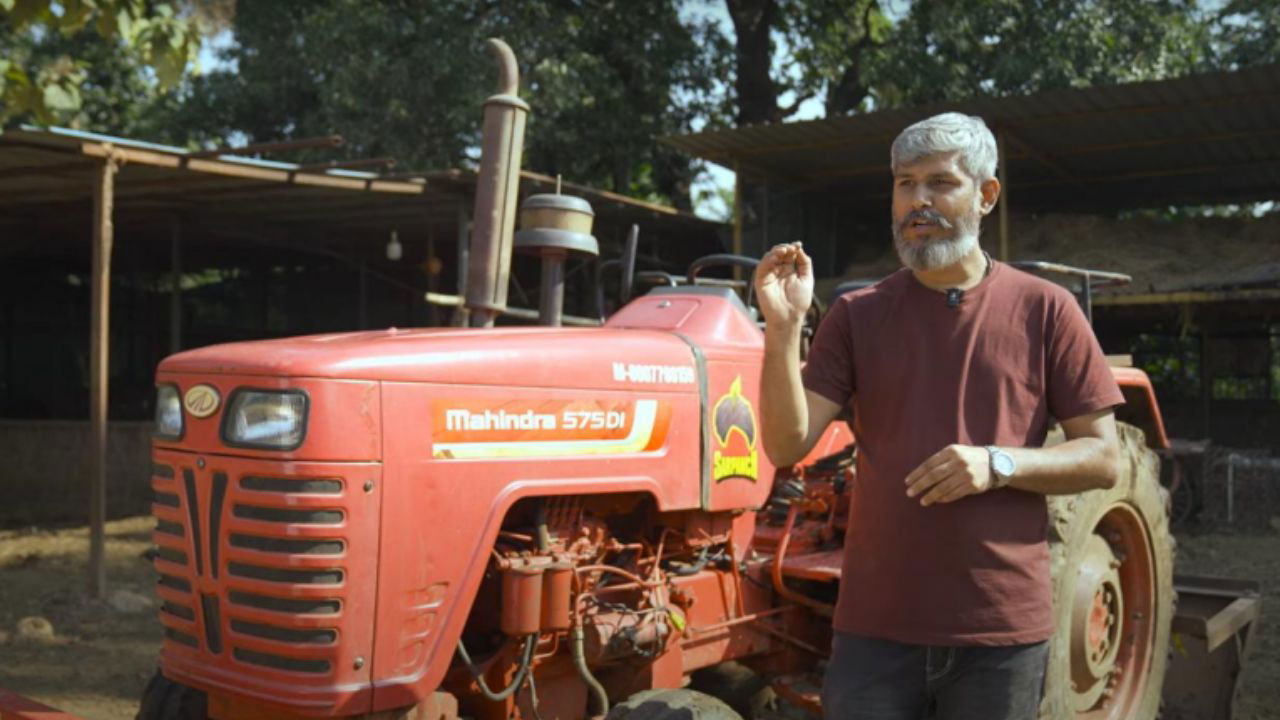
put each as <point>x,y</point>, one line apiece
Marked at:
<point>100,654</point>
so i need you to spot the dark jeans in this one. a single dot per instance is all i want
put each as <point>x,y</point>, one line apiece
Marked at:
<point>870,679</point>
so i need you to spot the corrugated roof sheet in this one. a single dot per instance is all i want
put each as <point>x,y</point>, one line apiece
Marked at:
<point>44,169</point>
<point>1209,138</point>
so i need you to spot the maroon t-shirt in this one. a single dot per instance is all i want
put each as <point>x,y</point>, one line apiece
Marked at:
<point>1016,352</point>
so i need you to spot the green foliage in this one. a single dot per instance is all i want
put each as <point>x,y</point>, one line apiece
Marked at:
<point>853,53</point>
<point>406,79</point>
<point>606,79</point>
<point>56,53</point>
<point>833,41</point>
<point>948,50</point>
<point>1247,32</point>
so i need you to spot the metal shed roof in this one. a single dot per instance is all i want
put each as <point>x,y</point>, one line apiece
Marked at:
<point>1199,139</point>
<point>43,170</point>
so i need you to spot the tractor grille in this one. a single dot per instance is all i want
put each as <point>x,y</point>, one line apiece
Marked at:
<point>255,566</point>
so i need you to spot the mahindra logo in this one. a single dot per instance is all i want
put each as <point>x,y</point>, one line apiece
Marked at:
<point>201,401</point>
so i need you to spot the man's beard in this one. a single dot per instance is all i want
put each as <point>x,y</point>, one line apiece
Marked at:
<point>936,253</point>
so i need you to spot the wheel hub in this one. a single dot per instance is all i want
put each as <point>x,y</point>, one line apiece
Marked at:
<point>1097,614</point>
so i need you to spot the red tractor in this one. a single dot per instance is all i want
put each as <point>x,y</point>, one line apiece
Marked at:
<point>552,522</point>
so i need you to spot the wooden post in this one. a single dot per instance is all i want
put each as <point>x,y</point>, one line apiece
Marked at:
<point>764,226</point>
<point>1004,197</point>
<point>737,218</point>
<point>1206,385</point>
<point>99,361</point>
<point>433,317</point>
<point>175,286</point>
<point>737,210</point>
<point>462,316</point>
<point>9,376</point>
<point>363,321</point>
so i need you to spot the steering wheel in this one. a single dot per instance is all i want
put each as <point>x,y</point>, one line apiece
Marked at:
<point>812,316</point>
<point>724,260</point>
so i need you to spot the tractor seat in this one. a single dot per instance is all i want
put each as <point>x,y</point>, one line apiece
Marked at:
<point>822,566</point>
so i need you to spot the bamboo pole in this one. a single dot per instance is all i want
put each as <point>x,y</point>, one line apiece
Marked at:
<point>462,221</point>
<point>175,287</point>
<point>1004,197</point>
<point>737,218</point>
<point>737,210</point>
<point>363,315</point>
<point>99,360</point>
<point>433,318</point>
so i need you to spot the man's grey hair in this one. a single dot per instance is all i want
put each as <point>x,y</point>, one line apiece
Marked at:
<point>947,133</point>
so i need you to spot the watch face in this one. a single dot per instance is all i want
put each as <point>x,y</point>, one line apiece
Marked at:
<point>1002,463</point>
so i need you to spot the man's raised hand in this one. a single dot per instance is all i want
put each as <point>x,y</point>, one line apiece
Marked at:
<point>784,284</point>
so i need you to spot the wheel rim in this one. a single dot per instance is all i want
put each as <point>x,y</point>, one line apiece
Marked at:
<point>1112,623</point>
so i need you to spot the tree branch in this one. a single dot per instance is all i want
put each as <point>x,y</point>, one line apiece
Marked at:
<point>789,110</point>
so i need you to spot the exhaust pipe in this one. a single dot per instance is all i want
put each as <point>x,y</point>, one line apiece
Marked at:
<point>497,189</point>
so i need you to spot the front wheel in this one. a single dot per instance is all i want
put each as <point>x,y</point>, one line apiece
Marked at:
<point>1112,560</point>
<point>664,704</point>
<point>164,699</point>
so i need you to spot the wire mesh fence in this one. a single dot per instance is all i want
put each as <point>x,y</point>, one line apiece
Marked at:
<point>1237,489</point>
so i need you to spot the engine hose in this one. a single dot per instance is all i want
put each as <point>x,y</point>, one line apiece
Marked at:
<point>526,661</point>
<point>580,662</point>
<point>779,585</point>
<point>684,570</point>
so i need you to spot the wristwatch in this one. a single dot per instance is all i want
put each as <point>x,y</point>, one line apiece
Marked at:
<point>1002,467</point>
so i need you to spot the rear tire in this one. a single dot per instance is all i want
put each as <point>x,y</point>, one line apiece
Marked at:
<point>1112,563</point>
<point>737,685</point>
<point>164,699</point>
<point>664,704</point>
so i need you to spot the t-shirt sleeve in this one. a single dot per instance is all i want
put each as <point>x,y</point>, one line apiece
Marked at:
<point>828,370</point>
<point>1079,380</point>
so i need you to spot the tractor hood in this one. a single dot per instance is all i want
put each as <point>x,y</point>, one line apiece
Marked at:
<point>529,357</point>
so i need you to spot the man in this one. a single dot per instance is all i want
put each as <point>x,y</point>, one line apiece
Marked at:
<point>953,367</point>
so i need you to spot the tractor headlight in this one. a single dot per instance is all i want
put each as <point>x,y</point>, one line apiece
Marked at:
<point>168,412</point>
<point>266,419</point>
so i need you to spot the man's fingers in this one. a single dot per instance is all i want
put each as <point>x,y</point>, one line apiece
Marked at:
<point>939,458</point>
<point>950,492</point>
<point>929,478</point>
<point>955,487</point>
<point>804,265</point>
<point>779,256</point>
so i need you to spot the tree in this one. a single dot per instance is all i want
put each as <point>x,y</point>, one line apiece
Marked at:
<point>609,78</point>
<point>850,53</point>
<point>834,42</point>
<point>949,50</point>
<point>1247,32</point>
<point>828,41</point>
<point>53,54</point>
<point>406,79</point>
